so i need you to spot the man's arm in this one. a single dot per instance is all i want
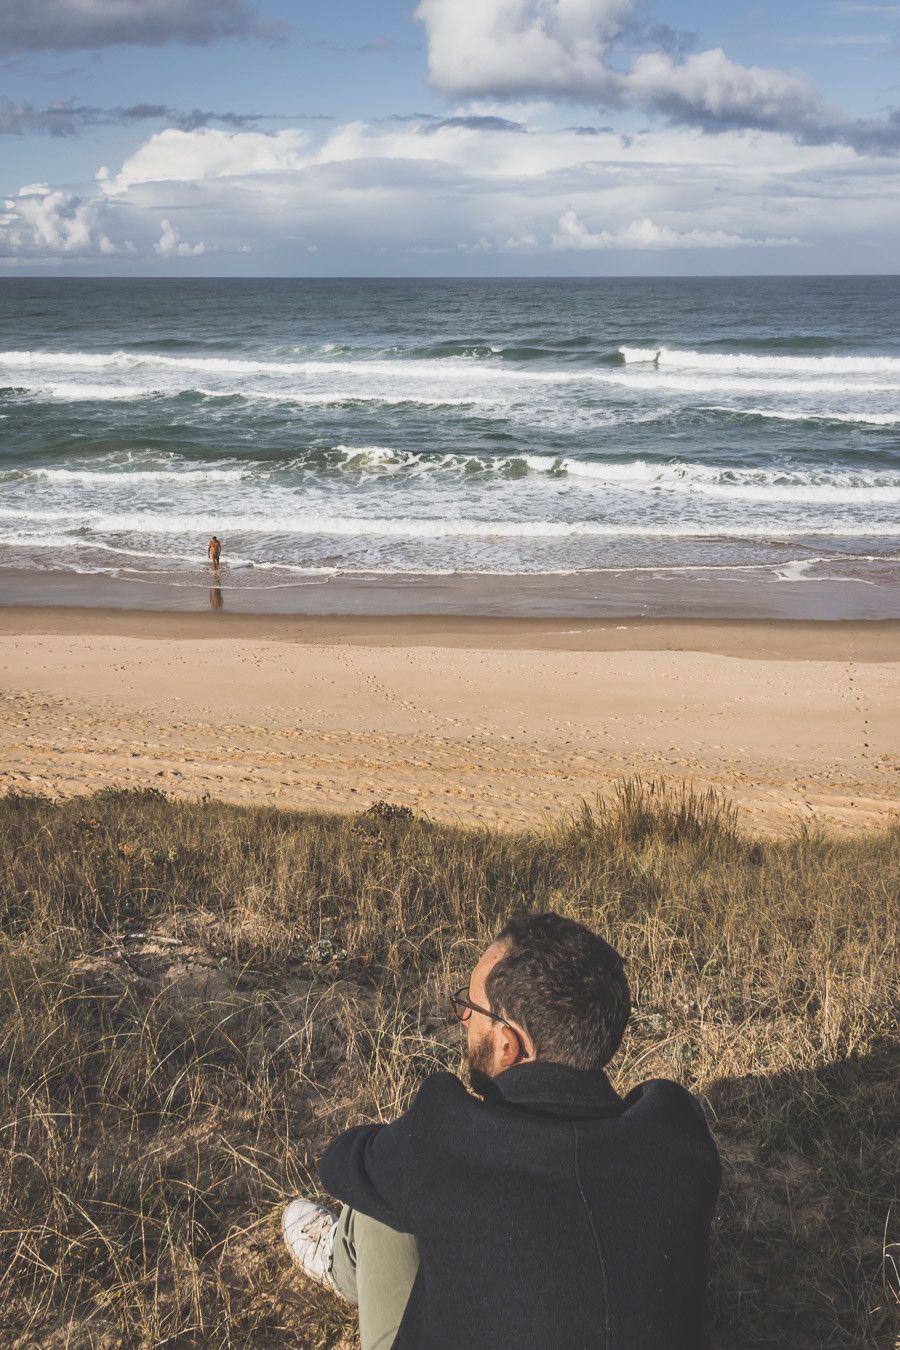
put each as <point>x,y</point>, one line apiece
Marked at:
<point>366,1168</point>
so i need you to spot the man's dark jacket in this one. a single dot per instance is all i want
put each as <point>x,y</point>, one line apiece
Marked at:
<point>552,1215</point>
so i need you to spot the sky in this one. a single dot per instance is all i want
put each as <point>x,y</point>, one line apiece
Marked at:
<point>449,137</point>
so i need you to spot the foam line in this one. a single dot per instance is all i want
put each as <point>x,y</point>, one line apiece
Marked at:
<point>852,488</point>
<point>368,526</point>
<point>778,484</point>
<point>796,415</point>
<point>665,357</point>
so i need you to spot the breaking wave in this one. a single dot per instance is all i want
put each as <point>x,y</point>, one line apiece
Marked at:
<point>127,477</point>
<point>70,392</point>
<point>808,415</point>
<point>795,485</point>
<point>361,526</point>
<point>753,364</point>
<point>458,381</point>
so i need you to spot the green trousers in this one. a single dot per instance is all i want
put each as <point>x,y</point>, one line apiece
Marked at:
<point>374,1267</point>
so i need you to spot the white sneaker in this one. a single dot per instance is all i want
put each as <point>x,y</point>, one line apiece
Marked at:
<point>308,1230</point>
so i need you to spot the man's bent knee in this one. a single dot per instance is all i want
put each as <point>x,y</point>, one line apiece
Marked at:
<point>374,1267</point>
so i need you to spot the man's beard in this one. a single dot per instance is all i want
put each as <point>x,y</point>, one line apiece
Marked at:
<point>480,1060</point>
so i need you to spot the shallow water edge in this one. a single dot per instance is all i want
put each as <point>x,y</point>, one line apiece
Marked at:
<point>705,594</point>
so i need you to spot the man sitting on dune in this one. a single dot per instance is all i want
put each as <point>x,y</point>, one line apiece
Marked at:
<point>548,1212</point>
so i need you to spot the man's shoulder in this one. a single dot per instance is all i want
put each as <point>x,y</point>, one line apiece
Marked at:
<point>656,1095</point>
<point>441,1105</point>
<point>661,1094</point>
<point>668,1103</point>
<point>441,1090</point>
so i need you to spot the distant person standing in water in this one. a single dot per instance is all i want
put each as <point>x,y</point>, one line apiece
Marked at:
<point>214,552</point>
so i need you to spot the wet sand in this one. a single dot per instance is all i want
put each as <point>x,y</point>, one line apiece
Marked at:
<point>867,591</point>
<point>477,720</point>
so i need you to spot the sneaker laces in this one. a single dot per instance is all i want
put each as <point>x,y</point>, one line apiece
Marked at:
<point>318,1228</point>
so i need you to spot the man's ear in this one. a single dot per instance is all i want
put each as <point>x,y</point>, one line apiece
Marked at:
<point>515,1046</point>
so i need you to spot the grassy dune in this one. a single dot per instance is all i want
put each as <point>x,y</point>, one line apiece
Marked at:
<point>195,997</point>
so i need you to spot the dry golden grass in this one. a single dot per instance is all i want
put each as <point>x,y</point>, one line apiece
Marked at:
<point>195,997</point>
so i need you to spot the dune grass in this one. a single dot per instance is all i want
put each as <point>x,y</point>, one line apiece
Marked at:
<point>195,997</point>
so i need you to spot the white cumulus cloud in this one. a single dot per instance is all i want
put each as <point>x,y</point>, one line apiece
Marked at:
<point>171,244</point>
<point>192,156</point>
<point>386,194</point>
<point>514,47</point>
<point>708,87</point>
<point>41,220</point>
<point>563,49</point>
<point>645,233</point>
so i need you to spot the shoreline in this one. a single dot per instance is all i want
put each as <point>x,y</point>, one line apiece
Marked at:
<point>696,594</point>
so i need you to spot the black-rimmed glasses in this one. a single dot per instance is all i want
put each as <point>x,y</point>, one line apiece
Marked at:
<point>462,1007</point>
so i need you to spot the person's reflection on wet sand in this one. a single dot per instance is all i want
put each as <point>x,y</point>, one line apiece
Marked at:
<point>216,598</point>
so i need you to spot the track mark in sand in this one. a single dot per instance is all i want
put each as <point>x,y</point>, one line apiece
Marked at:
<point>384,691</point>
<point>858,706</point>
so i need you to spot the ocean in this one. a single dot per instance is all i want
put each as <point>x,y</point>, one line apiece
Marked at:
<point>596,446</point>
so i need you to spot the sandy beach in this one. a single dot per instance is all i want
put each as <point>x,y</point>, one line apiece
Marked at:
<point>474,720</point>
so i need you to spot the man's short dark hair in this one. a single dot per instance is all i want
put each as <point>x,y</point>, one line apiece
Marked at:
<point>565,986</point>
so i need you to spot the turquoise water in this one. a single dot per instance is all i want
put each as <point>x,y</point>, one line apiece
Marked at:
<point>397,428</point>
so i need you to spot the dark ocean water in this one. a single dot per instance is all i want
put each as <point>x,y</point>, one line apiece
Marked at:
<point>687,428</point>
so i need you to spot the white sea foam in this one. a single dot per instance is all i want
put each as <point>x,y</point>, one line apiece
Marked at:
<point>371,526</point>
<point>448,367</point>
<point>197,562</point>
<point>639,355</point>
<point>794,569</point>
<point>819,415</point>
<point>800,569</point>
<point>69,391</point>
<point>853,488</point>
<point>775,485</point>
<point>126,477</point>
<point>755,364</point>
<point>458,367</point>
<point>746,383</point>
<point>438,381</point>
<point>682,476</point>
<point>749,485</point>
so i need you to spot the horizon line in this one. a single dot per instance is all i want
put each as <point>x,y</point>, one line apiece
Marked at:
<point>452,276</point>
